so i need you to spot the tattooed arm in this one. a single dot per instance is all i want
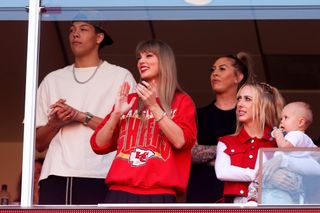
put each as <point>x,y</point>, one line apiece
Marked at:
<point>203,153</point>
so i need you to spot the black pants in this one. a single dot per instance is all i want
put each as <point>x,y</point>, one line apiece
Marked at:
<point>115,196</point>
<point>57,190</point>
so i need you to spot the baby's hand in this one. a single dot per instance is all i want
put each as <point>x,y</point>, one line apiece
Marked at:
<point>277,132</point>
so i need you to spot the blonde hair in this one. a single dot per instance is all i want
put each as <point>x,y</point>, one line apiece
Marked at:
<point>168,79</point>
<point>267,105</point>
<point>305,111</point>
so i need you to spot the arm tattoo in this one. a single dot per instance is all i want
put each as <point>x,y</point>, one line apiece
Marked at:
<point>203,153</point>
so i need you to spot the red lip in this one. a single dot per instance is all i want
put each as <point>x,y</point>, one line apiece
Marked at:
<point>143,68</point>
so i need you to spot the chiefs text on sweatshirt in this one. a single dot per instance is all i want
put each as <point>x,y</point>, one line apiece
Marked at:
<point>146,162</point>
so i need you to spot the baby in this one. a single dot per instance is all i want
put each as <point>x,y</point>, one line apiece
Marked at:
<point>296,117</point>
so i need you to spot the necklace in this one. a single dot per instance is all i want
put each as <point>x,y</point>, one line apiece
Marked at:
<point>93,74</point>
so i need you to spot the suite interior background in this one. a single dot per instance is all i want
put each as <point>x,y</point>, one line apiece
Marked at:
<point>287,55</point>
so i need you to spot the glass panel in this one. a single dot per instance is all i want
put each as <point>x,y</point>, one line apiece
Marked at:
<point>12,90</point>
<point>186,10</point>
<point>13,10</point>
<point>130,3</point>
<point>15,3</point>
<point>290,176</point>
<point>14,30</point>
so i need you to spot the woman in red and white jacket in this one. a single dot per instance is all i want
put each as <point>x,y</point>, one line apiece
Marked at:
<point>153,131</point>
<point>258,110</point>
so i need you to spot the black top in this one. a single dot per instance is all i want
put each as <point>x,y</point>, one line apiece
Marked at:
<point>204,187</point>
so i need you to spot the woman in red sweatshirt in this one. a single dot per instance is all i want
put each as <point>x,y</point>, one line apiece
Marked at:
<point>153,131</point>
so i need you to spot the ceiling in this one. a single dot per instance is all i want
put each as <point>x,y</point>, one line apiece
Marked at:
<point>286,53</point>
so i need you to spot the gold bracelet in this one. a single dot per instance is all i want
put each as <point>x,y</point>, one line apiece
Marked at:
<point>162,116</point>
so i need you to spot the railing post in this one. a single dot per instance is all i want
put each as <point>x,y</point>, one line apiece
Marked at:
<point>30,103</point>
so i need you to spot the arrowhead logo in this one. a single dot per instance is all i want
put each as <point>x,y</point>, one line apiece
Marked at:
<point>139,156</point>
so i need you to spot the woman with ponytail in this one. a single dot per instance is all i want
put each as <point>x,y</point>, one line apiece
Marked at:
<point>217,119</point>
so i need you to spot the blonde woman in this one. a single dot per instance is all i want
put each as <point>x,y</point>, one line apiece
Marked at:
<point>153,131</point>
<point>258,109</point>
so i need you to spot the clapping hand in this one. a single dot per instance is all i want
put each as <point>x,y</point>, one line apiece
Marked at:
<point>62,113</point>
<point>147,92</point>
<point>122,106</point>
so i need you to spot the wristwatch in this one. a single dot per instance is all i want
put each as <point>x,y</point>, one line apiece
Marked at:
<point>89,116</point>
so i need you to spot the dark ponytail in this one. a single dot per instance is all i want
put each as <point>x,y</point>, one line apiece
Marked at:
<point>243,63</point>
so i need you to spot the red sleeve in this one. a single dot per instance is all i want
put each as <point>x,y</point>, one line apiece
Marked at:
<point>184,113</point>
<point>109,147</point>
